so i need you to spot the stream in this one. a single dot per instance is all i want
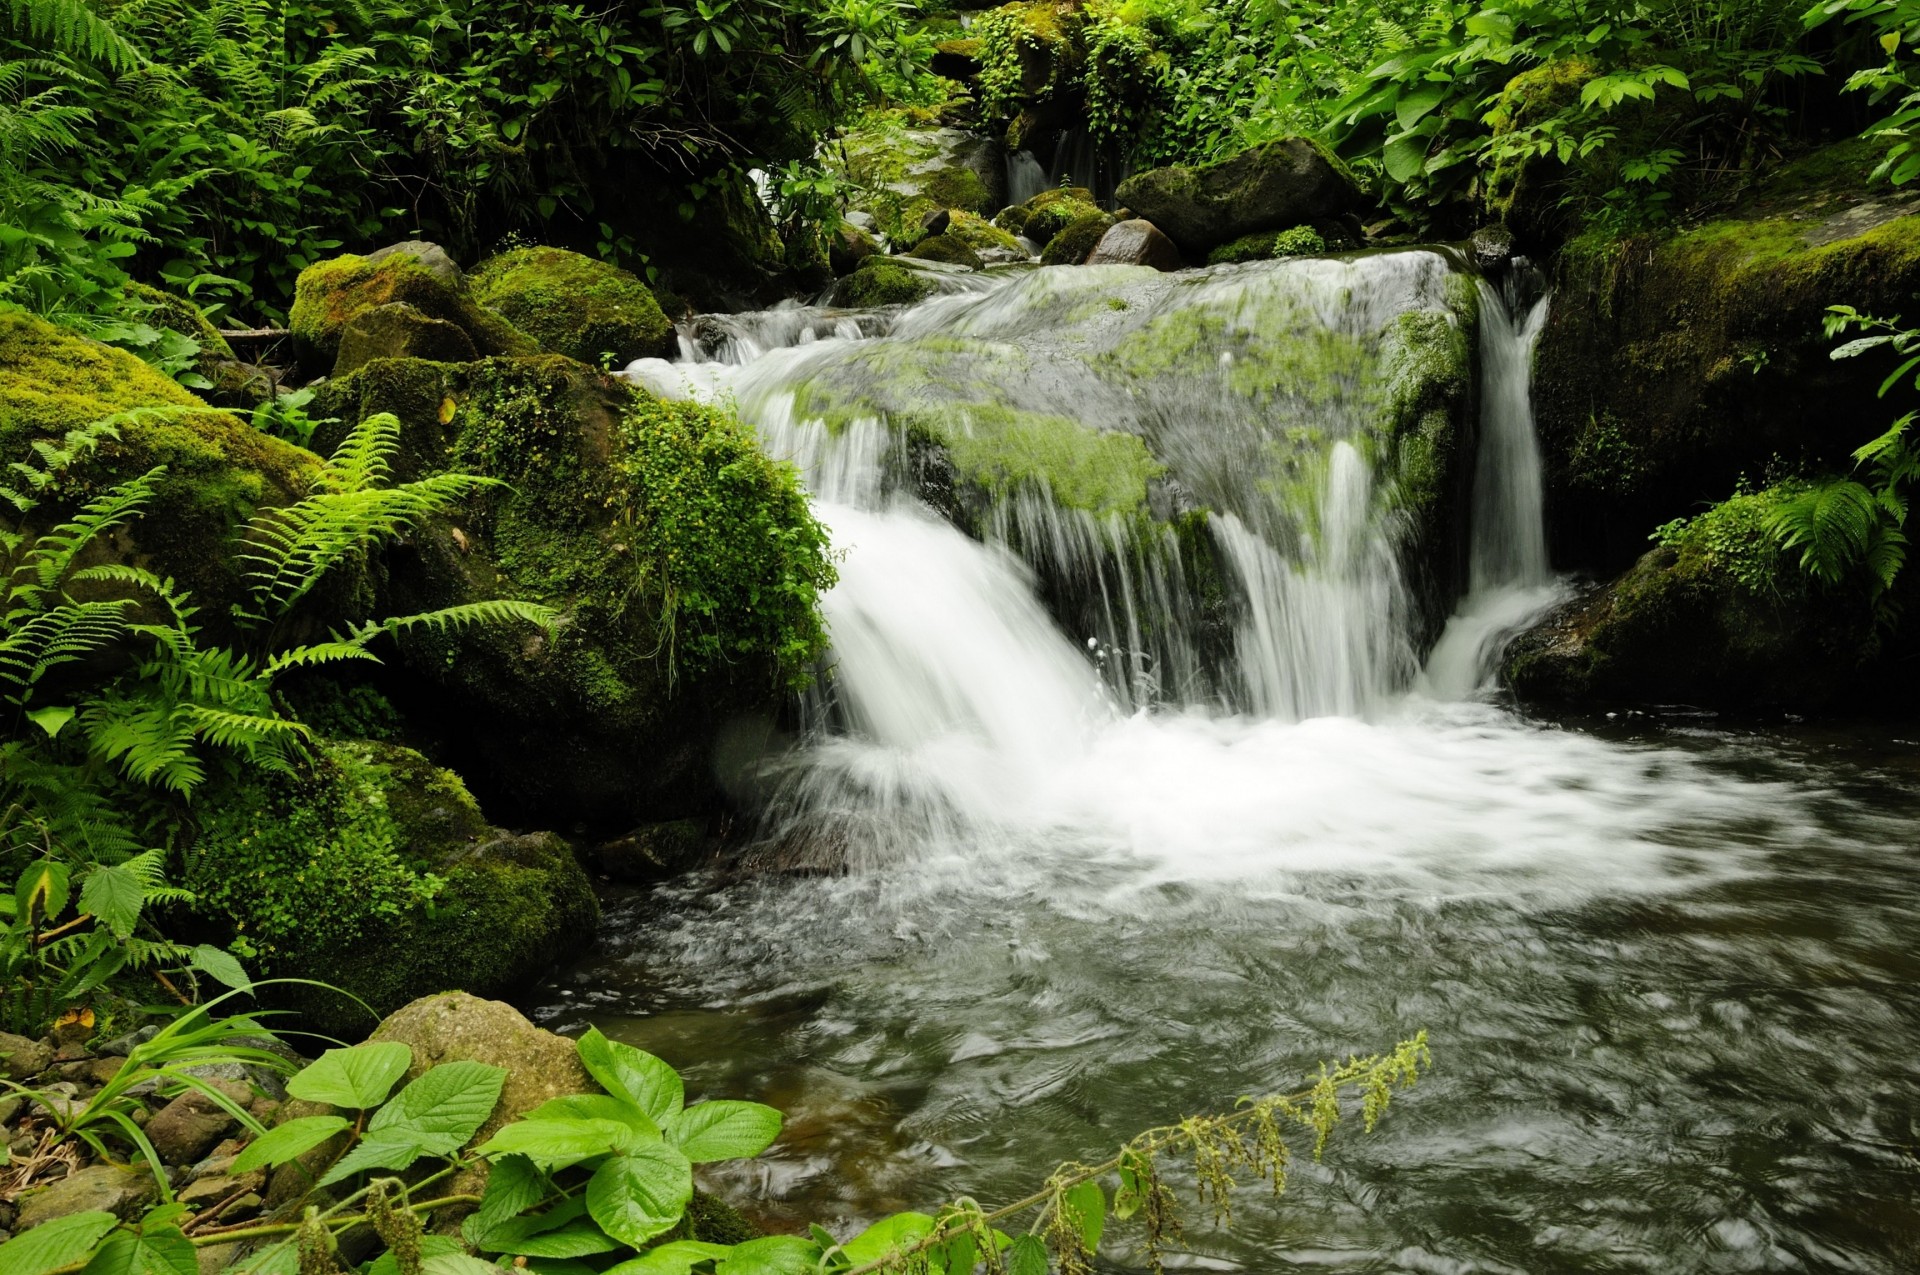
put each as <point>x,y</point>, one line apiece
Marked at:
<point>1113,825</point>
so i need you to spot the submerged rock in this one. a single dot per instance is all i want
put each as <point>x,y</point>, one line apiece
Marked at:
<point>576,306</point>
<point>1136,243</point>
<point>1270,187</point>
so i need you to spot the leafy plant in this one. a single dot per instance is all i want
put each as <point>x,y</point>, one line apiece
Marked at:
<point>1895,25</point>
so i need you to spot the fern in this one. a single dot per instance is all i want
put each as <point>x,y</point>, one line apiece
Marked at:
<point>1832,523</point>
<point>70,27</point>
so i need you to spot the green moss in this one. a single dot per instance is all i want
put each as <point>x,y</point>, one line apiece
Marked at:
<point>1076,241</point>
<point>980,234</point>
<point>574,305</point>
<point>329,293</point>
<point>908,171</point>
<point>1052,211</point>
<point>1003,450</point>
<point>218,468</point>
<point>880,282</point>
<point>177,314</point>
<point>1013,220</point>
<point>948,248</point>
<point>368,871</point>
<point>1265,245</point>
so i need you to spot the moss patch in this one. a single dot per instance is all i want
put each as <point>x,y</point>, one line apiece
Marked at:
<point>881,282</point>
<point>574,305</point>
<point>1076,241</point>
<point>1003,450</point>
<point>329,293</point>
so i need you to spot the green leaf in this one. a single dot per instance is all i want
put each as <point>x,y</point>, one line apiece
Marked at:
<point>625,1072</point>
<point>51,1245</point>
<point>724,1130</point>
<point>641,1194</point>
<point>287,1142</point>
<point>1028,1256</point>
<point>1410,109</point>
<point>114,896</point>
<point>439,1255</point>
<point>51,720</point>
<point>578,1238</point>
<point>354,1078</point>
<point>557,1144</point>
<point>1405,158</point>
<point>886,1236</point>
<point>596,1106</point>
<point>42,888</point>
<point>676,1258</point>
<point>1086,1207</point>
<point>375,1153</point>
<point>221,966</point>
<point>443,1108</point>
<point>163,1250</point>
<point>773,1255</point>
<point>514,1185</point>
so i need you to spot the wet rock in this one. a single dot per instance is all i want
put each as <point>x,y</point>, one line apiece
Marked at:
<point>651,852</point>
<point>1492,247</point>
<point>1136,243</point>
<point>880,281</point>
<point>1280,184</point>
<point>120,1190</point>
<point>575,305</point>
<point>914,171</point>
<point>948,249</point>
<point>1052,211</point>
<point>399,331</point>
<point>192,1124</point>
<point>430,257</point>
<point>936,222</point>
<point>849,246</point>
<point>21,1056</point>
<point>1074,244</point>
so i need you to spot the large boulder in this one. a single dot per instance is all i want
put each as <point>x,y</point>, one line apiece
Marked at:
<point>1673,364</point>
<point>684,561</point>
<point>218,468</point>
<point>381,875</point>
<point>1136,243</point>
<point>399,331</point>
<point>878,282</point>
<point>1270,187</point>
<point>1052,211</point>
<point>329,294</point>
<point>576,306</point>
<point>1076,240</point>
<point>912,171</point>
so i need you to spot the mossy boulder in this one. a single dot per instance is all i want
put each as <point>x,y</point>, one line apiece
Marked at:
<point>1673,364</point>
<point>1265,245</point>
<point>328,295</point>
<point>379,871</point>
<point>574,305</point>
<point>1523,188</point>
<point>949,249</point>
<point>399,331</point>
<point>879,282</point>
<point>1270,187</point>
<point>989,241</point>
<point>177,314</point>
<point>218,468</point>
<point>1052,211</point>
<point>685,562</point>
<point>652,851</point>
<point>912,171</point>
<point>1076,240</point>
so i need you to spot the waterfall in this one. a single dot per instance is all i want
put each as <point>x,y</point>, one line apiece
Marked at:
<point>1026,177</point>
<point>984,655</point>
<point>1509,581</point>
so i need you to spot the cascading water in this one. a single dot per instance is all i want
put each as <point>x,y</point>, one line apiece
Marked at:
<point>1149,805</point>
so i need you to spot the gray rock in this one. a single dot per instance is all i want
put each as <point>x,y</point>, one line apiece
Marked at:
<point>849,246</point>
<point>1492,246</point>
<point>1136,243</point>
<point>936,222</point>
<point>1284,183</point>
<point>121,1046</point>
<point>399,331</point>
<point>650,852</point>
<point>431,256</point>
<point>191,1125</point>
<point>21,1057</point>
<point>119,1190</point>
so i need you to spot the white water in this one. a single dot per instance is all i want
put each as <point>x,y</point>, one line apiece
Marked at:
<point>963,721</point>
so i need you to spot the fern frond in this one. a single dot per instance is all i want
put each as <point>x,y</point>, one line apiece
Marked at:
<point>70,27</point>
<point>317,654</point>
<point>1831,523</point>
<point>466,615</point>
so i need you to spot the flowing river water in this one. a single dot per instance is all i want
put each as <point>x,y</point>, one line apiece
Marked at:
<point>1114,840</point>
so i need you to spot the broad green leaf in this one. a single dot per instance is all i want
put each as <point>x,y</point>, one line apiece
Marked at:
<point>514,1185</point>
<point>1087,1210</point>
<point>596,1106</point>
<point>774,1255</point>
<point>457,1264</point>
<point>1410,109</point>
<point>51,720</point>
<point>287,1142</point>
<point>376,1152</point>
<point>114,896</point>
<point>221,966</point>
<point>886,1235</point>
<point>42,888</point>
<point>641,1194</point>
<point>633,1074</point>
<point>354,1078</point>
<point>431,1247</point>
<point>1405,158</point>
<point>51,1245</point>
<point>1028,1256</point>
<point>443,1108</point>
<point>556,1144</point>
<point>578,1238</point>
<point>724,1130</point>
<point>163,1250</point>
<point>676,1258</point>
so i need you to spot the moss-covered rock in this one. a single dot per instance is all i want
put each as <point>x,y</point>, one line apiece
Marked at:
<point>330,293</point>
<point>686,563</point>
<point>218,468</point>
<point>989,241</point>
<point>398,331</point>
<point>880,282</point>
<point>1270,187</point>
<point>1672,365</point>
<point>177,314</point>
<point>1136,242</point>
<point>576,306</point>
<point>1076,240</point>
<point>949,249</point>
<point>1013,220</point>
<point>1522,188</point>
<point>848,246</point>
<point>1300,241</point>
<point>379,871</point>
<point>912,171</point>
<point>1052,211</point>
<point>651,851</point>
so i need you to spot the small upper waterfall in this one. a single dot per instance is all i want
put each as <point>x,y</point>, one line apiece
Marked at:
<point>1066,497</point>
<point>1026,177</point>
